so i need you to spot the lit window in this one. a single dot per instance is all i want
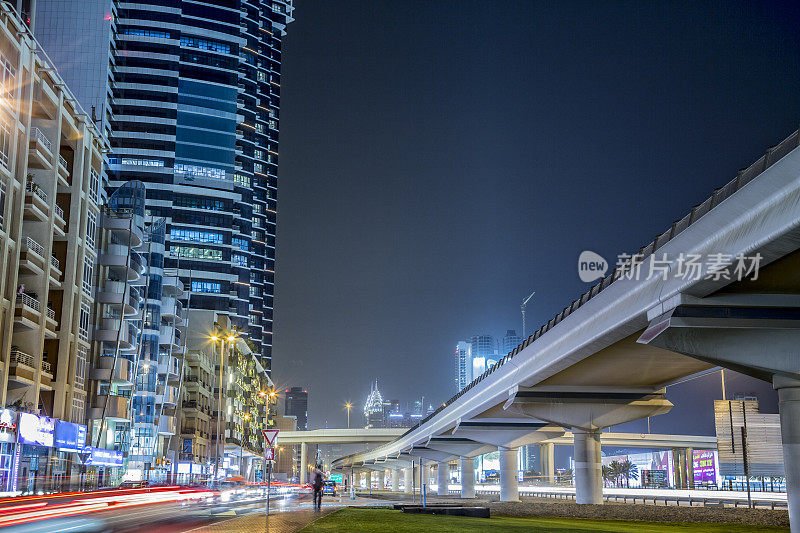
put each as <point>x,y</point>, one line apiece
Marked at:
<point>177,234</point>
<point>5,143</point>
<point>240,260</point>
<point>196,171</point>
<point>194,252</point>
<point>206,286</point>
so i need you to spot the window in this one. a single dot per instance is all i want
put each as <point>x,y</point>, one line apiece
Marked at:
<point>177,234</point>
<point>94,185</point>
<point>255,291</point>
<point>88,275</point>
<point>240,260</point>
<point>206,286</point>
<point>253,319</point>
<point>5,143</point>
<point>194,252</point>
<point>258,153</point>
<point>199,202</point>
<point>91,228</point>
<point>136,162</point>
<point>205,44</point>
<point>258,208</point>
<point>144,33</point>
<point>258,167</point>
<point>80,367</point>
<point>2,203</point>
<point>77,407</point>
<point>240,243</point>
<point>83,324</point>
<point>196,171</point>
<point>239,179</point>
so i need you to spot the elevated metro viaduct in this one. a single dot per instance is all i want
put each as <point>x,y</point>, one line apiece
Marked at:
<point>608,356</point>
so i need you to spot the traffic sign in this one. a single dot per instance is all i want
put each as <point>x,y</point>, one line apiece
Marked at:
<point>269,454</point>
<point>270,435</point>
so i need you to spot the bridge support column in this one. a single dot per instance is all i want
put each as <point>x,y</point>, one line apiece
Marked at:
<point>509,488</point>
<point>395,480</point>
<point>547,462</point>
<point>467,477</point>
<point>442,477</point>
<point>588,467</point>
<point>789,409</point>
<point>408,474</point>
<point>303,462</point>
<point>381,479</point>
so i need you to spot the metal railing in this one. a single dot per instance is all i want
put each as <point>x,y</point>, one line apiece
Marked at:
<point>35,189</point>
<point>59,212</point>
<point>62,161</point>
<point>34,246</point>
<point>719,195</point>
<point>24,299</point>
<point>55,262</point>
<point>51,314</point>
<point>47,367</point>
<point>21,358</point>
<point>37,134</point>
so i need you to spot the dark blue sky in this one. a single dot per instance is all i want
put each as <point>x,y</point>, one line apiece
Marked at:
<point>440,160</point>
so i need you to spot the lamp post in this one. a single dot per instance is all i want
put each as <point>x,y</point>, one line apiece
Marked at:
<point>348,405</point>
<point>230,338</point>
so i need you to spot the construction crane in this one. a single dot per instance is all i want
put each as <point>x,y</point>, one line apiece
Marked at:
<point>524,304</point>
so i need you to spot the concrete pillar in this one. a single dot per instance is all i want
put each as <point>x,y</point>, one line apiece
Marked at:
<point>547,463</point>
<point>690,467</point>
<point>442,477</point>
<point>381,479</point>
<point>509,489</point>
<point>789,408</point>
<point>588,467</point>
<point>428,473</point>
<point>408,474</point>
<point>303,462</point>
<point>395,480</point>
<point>467,477</point>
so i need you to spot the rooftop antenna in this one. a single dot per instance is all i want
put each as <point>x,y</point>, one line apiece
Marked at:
<point>524,304</point>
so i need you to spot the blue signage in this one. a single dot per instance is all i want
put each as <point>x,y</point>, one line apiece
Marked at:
<point>69,437</point>
<point>101,457</point>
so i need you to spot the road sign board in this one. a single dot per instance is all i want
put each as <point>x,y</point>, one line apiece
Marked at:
<point>269,454</point>
<point>270,435</point>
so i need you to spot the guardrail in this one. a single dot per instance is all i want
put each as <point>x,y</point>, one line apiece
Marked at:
<point>34,246</point>
<point>24,299</point>
<point>35,189</point>
<point>36,133</point>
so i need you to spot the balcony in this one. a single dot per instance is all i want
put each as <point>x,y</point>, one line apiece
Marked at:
<point>55,270</point>
<point>22,366</point>
<point>36,205</point>
<point>123,227</point>
<point>172,309</point>
<point>171,284</point>
<point>50,324</point>
<point>63,171</point>
<point>112,294</point>
<point>59,222</point>
<point>31,258</point>
<point>168,395</point>
<point>122,375</point>
<point>170,336</point>
<point>115,257</point>
<point>41,150</point>
<point>169,365</point>
<point>167,425</point>
<point>27,312</point>
<point>116,409</point>
<point>109,331</point>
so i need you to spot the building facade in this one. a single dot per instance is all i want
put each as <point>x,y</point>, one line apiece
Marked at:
<point>51,157</point>
<point>296,405</point>
<point>463,365</point>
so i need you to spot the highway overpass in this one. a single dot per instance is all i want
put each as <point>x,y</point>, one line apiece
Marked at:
<point>606,358</point>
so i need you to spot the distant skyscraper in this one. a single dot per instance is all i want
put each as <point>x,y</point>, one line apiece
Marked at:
<point>483,353</point>
<point>510,341</point>
<point>463,365</point>
<point>373,408</point>
<point>296,405</point>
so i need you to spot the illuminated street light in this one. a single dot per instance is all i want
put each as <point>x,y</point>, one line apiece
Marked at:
<point>348,405</point>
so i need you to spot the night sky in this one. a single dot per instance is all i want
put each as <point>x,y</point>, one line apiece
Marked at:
<point>441,160</point>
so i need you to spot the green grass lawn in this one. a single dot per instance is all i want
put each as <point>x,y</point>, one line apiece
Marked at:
<point>389,521</point>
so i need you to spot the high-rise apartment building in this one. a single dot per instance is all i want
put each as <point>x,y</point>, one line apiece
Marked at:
<point>510,341</point>
<point>463,365</point>
<point>50,161</point>
<point>193,112</point>
<point>296,405</point>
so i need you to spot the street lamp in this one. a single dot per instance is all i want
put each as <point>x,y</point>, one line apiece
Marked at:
<point>348,405</point>
<point>230,338</point>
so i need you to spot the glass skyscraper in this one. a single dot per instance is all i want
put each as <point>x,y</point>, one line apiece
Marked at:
<point>194,114</point>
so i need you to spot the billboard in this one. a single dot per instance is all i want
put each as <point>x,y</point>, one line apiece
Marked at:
<point>704,466</point>
<point>69,437</point>
<point>35,430</point>
<point>101,457</point>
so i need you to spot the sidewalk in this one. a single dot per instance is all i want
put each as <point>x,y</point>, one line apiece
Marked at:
<point>276,522</point>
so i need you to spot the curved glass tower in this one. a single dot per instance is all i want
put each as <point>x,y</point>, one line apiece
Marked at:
<point>195,106</point>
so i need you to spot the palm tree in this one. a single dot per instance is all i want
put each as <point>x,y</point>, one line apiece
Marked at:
<point>607,477</point>
<point>628,470</point>
<point>614,472</point>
